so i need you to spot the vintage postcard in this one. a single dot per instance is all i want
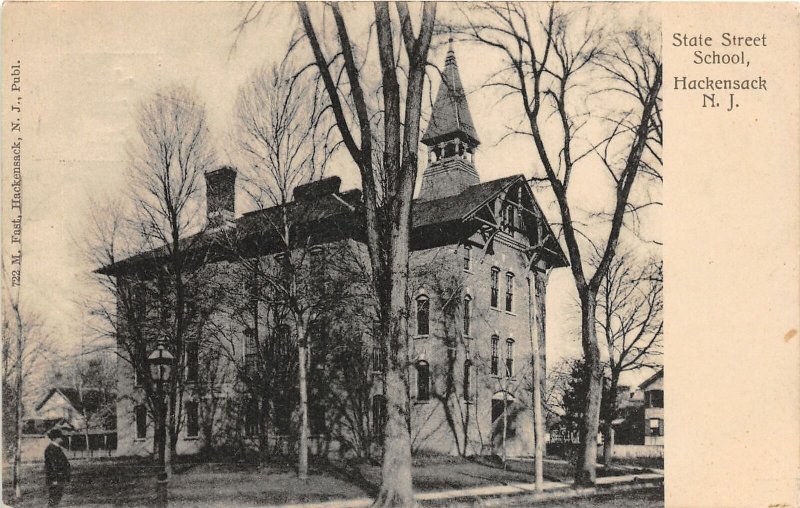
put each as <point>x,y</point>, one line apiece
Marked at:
<point>399,254</point>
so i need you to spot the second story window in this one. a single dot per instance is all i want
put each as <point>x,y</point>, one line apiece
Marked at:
<point>508,219</point>
<point>509,357</point>
<point>467,258</point>
<point>467,314</point>
<point>509,292</point>
<point>495,286</point>
<point>192,360</point>
<point>654,398</point>
<point>423,315</point>
<point>495,356</point>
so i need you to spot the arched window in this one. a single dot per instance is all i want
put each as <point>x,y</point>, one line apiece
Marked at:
<point>423,381</point>
<point>509,357</point>
<point>467,314</point>
<point>423,315</point>
<point>467,380</point>
<point>495,355</point>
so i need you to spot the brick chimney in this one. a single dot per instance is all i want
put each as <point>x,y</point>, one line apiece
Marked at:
<point>220,197</point>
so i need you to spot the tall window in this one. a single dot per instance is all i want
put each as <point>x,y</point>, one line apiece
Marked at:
<point>250,353</point>
<point>467,258</point>
<point>509,292</point>
<point>378,417</point>
<point>377,347</point>
<point>283,417</point>
<point>284,274</point>
<point>495,284</point>
<point>192,419</point>
<point>137,379</point>
<point>467,314</point>
<point>508,219</point>
<point>509,357</point>
<point>251,417</point>
<point>423,315</point>
<point>140,414</point>
<point>192,361</point>
<point>495,355</point>
<point>316,419</point>
<point>467,380</point>
<point>423,381</point>
<point>318,269</point>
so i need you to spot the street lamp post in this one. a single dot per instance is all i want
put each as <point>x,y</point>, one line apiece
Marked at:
<point>160,362</point>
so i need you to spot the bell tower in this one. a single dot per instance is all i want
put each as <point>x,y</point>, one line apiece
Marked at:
<point>450,137</point>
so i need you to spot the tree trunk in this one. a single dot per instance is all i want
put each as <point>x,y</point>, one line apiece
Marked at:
<point>585,472</point>
<point>302,467</point>
<point>608,427</point>
<point>536,334</point>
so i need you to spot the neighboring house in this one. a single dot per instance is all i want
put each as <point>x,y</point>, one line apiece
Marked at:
<point>653,389</point>
<point>474,246</point>
<point>78,414</point>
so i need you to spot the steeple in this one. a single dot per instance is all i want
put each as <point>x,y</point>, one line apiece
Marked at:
<point>450,137</point>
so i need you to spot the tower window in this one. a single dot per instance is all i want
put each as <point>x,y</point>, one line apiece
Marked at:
<point>467,258</point>
<point>495,284</point>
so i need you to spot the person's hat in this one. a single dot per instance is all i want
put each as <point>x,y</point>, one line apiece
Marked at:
<point>55,434</point>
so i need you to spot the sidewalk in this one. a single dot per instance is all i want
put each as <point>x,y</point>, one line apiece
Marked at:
<point>494,495</point>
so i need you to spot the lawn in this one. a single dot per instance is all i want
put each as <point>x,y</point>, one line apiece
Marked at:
<point>131,481</point>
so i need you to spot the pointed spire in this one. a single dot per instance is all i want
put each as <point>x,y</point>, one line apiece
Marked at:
<point>450,116</point>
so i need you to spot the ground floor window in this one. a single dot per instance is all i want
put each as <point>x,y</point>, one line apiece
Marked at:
<point>252,422</point>
<point>140,414</point>
<point>423,381</point>
<point>656,427</point>
<point>497,419</point>
<point>378,417</point>
<point>192,419</point>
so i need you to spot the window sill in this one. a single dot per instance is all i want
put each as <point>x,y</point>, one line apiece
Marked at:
<point>139,439</point>
<point>422,401</point>
<point>497,309</point>
<point>191,438</point>
<point>421,336</point>
<point>511,313</point>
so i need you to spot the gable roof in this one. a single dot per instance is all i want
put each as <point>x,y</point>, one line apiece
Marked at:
<point>92,399</point>
<point>652,379</point>
<point>347,207</point>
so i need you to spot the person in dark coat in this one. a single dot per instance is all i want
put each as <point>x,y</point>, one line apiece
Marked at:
<point>56,467</point>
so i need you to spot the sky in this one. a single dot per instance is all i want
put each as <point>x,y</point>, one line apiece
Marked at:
<point>86,66</point>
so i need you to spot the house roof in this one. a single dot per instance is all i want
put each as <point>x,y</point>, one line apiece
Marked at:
<point>450,116</point>
<point>652,379</point>
<point>91,400</point>
<point>328,204</point>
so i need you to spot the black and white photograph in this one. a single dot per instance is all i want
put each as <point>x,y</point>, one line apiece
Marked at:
<point>352,254</point>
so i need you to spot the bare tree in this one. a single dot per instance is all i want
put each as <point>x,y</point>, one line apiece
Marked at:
<point>279,131</point>
<point>24,343</point>
<point>554,65</point>
<point>630,318</point>
<point>388,224</point>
